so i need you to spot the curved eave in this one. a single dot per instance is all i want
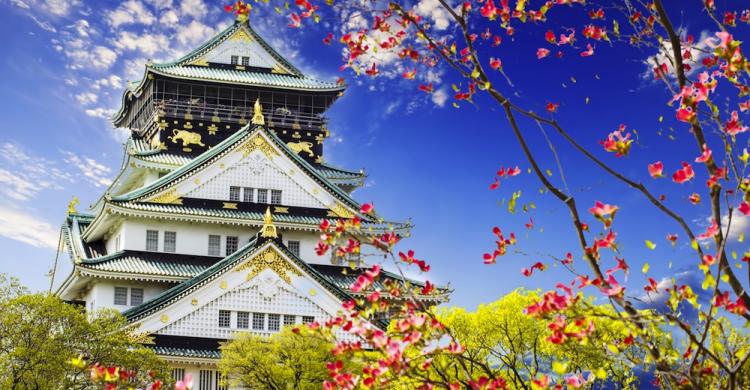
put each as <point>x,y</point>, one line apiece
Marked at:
<point>121,209</point>
<point>143,277</point>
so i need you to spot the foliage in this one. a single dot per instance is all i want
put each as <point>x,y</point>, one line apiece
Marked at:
<point>46,343</point>
<point>499,338</point>
<point>292,358</point>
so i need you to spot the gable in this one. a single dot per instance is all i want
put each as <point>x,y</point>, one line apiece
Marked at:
<point>241,44</point>
<point>253,153</point>
<point>255,171</point>
<point>265,294</point>
<point>260,279</point>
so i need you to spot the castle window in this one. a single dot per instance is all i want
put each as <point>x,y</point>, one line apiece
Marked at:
<point>206,380</point>
<point>121,296</point>
<point>234,60</point>
<point>214,245</point>
<point>225,317</point>
<point>178,374</point>
<point>231,246</point>
<point>117,243</point>
<point>243,320</point>
<point>274,322</point>
<point>289,319</point>
<point>259,320</point>
<point>234,194</point>
<point>248,193</point>
<point>262,196</point>
<point>293,247</point>
<point>152,240</point>
<point>136,296</point>
<point>275,196</point>
<point>245,61</point>
<point>170,242</point>
<point>219,386</point>
<point>308,319</point>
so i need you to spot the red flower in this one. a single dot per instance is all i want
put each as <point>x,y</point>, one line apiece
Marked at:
<point>705,156</point>
<point>367,208</point>
<point>489,10</point>
<point>528,271</point>
<point>589,51</point>
<point>552,107</point>
<point>656,169</point>
<point>426,88</point>
<point>733,126</point>
<point>683,174</point>
<point>744,208</point>
<point>541,53</point>
<point>495,63</point>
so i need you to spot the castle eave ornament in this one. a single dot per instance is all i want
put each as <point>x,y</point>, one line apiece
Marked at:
<point>258,118</point>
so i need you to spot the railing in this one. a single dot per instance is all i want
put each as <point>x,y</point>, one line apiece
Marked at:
<point>275,116</point>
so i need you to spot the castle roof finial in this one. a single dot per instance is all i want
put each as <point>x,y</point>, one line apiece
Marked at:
<point>269,229</point>
<point>258,118</point>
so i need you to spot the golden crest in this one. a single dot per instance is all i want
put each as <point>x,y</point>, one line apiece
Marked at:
<point>230,206</point>
<point>269,258</point>
<point>241,35</point>
<point>164,318</point>
<point>259,143</point>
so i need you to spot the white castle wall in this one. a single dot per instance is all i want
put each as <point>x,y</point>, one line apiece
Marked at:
<point>192,238</point>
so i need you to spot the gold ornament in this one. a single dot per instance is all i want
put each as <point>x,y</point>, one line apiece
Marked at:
<point>268,230</point>
<point>269,258</point>
<point>258,114</point>
<point>72,205</point>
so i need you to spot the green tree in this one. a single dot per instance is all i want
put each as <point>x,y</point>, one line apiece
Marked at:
<point>287,360</point>
<point>46,343</point>
<point>499,340</point>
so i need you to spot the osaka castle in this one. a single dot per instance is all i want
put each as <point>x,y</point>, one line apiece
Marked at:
<point>210,227</point>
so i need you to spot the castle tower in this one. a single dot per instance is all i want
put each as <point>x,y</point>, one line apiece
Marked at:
<point>210,227</point>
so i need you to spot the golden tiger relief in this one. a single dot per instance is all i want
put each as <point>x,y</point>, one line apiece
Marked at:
<point>302,146</point>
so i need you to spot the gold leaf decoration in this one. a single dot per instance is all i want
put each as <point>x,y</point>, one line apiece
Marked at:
<point>258,142</point>
<point>169,196</point>
<point>269,258</point>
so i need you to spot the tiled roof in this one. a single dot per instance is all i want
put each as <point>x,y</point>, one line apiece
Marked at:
<point>344,277</point>
<point>151,263</point>
<point>186,352</point>
<point>250,215</point>
<point>243,77</point>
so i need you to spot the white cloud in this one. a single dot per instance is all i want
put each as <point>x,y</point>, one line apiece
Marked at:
<point>130,12</point>
<point>96,173</point>
<point>195,8</point>
<point>434,11</point>
<point>20,4</point>
<point>23,176</point>
<point>82,27</point>
<point>160,4</point>
<point>147,43</point>
<point>86,98</point>
<point>113,81</point>
<point>21,226</point>
<point>100,112</point>
<point>169,18</point>
<point>84,55</point>
<point>439,97</point>
<point>740,224</point>
<point>59,7</point>
<point>194,33</point>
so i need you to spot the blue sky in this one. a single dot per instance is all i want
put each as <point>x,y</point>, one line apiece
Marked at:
<point>67,61</point>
